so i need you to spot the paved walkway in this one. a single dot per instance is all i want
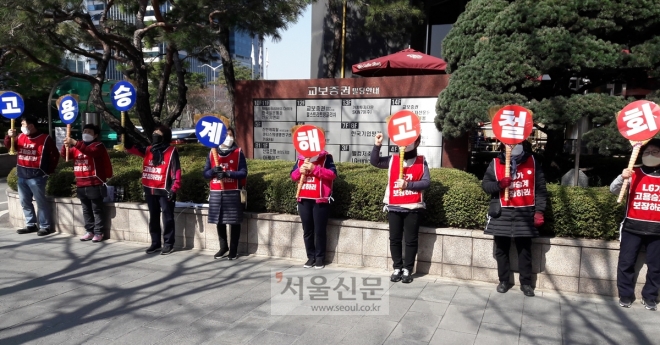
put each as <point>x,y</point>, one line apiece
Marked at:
<point>58,290</point>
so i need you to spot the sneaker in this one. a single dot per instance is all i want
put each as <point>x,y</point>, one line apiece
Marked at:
<point>221,253</point>
<point>86,237</point>
<point>167,249</point>
<point>528,290</point>
<point>44,232</point>
<point>649,304</point>
<point>232,257</point>
<point>396,276</point>
<point>503,287</point>
<point>154,248</point>
<point>319,267</point>
<point>97,238</point>
<point>626,301</point>
<point>406,278</point>
<point>309,264</point>
<point>27,230</point>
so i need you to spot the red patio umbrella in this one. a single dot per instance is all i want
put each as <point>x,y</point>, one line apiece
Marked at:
<point>405,62</point>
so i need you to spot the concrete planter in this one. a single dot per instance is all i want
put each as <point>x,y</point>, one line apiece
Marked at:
<point>562,264</point>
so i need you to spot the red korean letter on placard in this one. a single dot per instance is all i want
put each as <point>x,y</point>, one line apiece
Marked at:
<point>512,124</point>
<point>308,140</point>
<point>404,128</point>
<point>639,120</point>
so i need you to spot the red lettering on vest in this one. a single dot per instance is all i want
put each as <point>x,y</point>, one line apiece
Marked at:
<point>228,163</point>
<point>522,192</point>
<point>30,151</point>
<point>398,196</point>
<point>644,197</point>
<point>98,169</point>
<point>311,187</point>
<point>156,176</point>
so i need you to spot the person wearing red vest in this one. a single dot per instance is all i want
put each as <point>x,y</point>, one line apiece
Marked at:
<point>520,216</point>
<point>161,178</point>
<point>225,207</point>
<point>404,202</point>
<point>314,203</point>
<point>641,226</point>
<point>37,158</point>
<point>92,168</point>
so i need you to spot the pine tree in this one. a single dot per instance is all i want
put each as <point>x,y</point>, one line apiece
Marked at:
<point>498,50</point>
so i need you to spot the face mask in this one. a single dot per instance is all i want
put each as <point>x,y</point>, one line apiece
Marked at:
<point>517,150</point>
<point>156,139</point>
<point>87,137</point>
<point>410,147</point>
<point>229,141</point>
<point>25,130</point>
<point>651,161</point>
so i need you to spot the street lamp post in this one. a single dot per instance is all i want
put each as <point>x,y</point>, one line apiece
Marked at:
<point>214,79</point>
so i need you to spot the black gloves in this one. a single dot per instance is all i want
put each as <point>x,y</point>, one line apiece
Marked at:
<point>218,172</point>
<point>170,195</point>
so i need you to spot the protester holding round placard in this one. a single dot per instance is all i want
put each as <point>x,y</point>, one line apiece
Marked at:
<point>37,158</point>
<point>515,181</point>
<point>161,178</point>
<point>226,168</point>
<point>315,172</point>
<point>641,225</point>
<point>92,168</point>
<point>408,177</point>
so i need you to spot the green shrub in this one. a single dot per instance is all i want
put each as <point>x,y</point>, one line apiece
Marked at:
<point>12,179</point>
<point>454,199</point>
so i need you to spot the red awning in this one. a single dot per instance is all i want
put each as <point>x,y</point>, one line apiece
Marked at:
<point>405,62</point>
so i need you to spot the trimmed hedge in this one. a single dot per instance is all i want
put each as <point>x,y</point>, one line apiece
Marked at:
<point>454,199</point>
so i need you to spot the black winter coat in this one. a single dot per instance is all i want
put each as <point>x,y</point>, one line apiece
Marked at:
<point>225,207</point>
<point>513,221</point>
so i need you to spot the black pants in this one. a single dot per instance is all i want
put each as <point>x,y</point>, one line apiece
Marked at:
<point>524,247</point>
<point>314,218</point>
<point>91,199</point>
<point>235,235</point>
<point>403,225</point>
<point>158,203</point>
<point>625,272</point>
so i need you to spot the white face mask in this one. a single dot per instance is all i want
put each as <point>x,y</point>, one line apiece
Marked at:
<point>25,130</point>
<point>87,137</point>
<point>516,150</point>
<point>410,147</point>
<point>229,141</point>
<point>651,161</point>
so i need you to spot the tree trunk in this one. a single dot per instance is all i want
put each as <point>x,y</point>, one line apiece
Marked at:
<point>164,82</point>
<point>334,10</point>
<point>227,69</point>
<point>182,89</point>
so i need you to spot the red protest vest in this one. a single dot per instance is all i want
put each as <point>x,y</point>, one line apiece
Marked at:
<point>644,197</point>
<point>522,191</point>
<point>30,151</point>
<point>228,163</point>
<point>156,176</point>
<point>98,169</point>
<point>414,172</point>
<point>311,187</point>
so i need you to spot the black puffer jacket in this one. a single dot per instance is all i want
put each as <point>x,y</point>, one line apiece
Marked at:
<point>513,221</point>
<point>225,207</point>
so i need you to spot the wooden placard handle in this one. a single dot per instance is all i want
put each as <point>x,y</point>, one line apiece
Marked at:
<point>637,145</point>
<point>507,169</point>
<point>12,148</point>
<point>301,181</point>
<point>402,152</point>
<point>68,135</point>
